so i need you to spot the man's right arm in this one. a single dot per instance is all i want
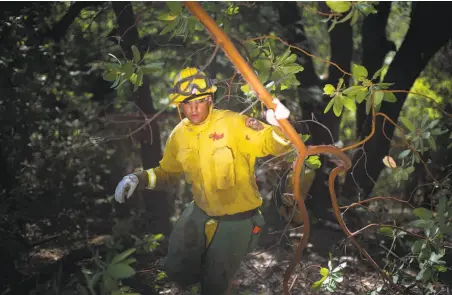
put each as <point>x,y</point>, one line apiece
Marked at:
<point>166,174</point>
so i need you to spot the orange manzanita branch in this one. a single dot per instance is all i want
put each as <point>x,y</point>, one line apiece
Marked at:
<point>252,79</point>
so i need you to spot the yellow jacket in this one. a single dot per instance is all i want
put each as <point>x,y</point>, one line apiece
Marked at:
<point>217,158</point>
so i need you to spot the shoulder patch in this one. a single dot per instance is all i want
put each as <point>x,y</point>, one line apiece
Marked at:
<point>254,124</point>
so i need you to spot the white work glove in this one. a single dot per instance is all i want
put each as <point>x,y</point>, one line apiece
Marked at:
<point>280,112</point>
<point>126,187</point>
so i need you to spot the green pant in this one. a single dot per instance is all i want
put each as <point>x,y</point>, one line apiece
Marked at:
<point>190,262</point>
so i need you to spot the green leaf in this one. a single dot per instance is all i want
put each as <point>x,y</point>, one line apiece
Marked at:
<point>407,123</point>
<point>432,143</point>
<point>353,90</point>
<point>324,271</point>
<point>438,131</point>
<point>291,59</point>
<point>383,85</point>
<point>316,285</point>
<point>329,89</point>
<point>423,213</point>
<point>338,106</point>
<point>377,74</point>
<point>361,95</point>
<point>427,274</point>
<point>378,97</point>
<point>121,256</point>
<point>435,257</point>
<point>96,277</point>
<point>359,71</point>
<point>417,246</point>
<point>329,105</point>
<point>120,271</point>
<point>441,268</point>
<point>404,154</point>
<point>263,67</point>
<point>305,137</point>
<point>110,76</point>
<point>292,69</point>
<point>313,162</point>
<point>136,54</point>
<point>421,223</point>
<point>171,26</point>
<point>349,103</point>
<point>118,79</point>
<point>174,6</point>
<point>386,230</point>
<point>280,59</point>
<point>433,124</point>
<point>339,6</point>
<point>389,97</point>
<point>127,70</point>
<point>166,16</point>
<point>410,169</point>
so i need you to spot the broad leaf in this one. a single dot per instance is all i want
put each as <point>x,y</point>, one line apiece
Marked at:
<point>329,89</point>
<point>423,213</point>
<point>389,97</point>
<point>361,95</point>
<point>349,103</point>
<point>385,230</point>
<point>339,6</point>
<point>110,76</point>
<point>136,54</point>
<point>407,123</point>
<point>329,105</point>
<point>353,90</point>
<point>359,71</point>
<point>404,154</point>
<point>378,97</point>
<point>338,106</point>
<point>121,256</point>
<point>127,70</point>
<point>120,270</point>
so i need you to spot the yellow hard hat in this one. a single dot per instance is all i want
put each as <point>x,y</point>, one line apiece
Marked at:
<point>191,83</point>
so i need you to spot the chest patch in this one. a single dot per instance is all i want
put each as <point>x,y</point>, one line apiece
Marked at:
<point>215,136</point>
<point>254,124</point>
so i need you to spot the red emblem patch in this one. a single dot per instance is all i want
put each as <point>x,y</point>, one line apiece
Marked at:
<point>214,136</point>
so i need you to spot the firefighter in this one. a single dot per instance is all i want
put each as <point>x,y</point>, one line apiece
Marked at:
<point>215,150</point>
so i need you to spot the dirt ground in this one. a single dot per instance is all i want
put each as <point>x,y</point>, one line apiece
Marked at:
<point>261,273</point>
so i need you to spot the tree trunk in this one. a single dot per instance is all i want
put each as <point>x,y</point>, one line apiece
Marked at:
<point>421,42</point>
<point>156,203</point>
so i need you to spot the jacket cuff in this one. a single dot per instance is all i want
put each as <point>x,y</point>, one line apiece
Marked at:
<point>143,179</point>
<point>152,179</point>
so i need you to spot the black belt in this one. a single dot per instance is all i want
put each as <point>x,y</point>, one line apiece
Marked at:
<point>236,216</point>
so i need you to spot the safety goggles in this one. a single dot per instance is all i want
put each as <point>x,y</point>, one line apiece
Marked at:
<point>187,89</point>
